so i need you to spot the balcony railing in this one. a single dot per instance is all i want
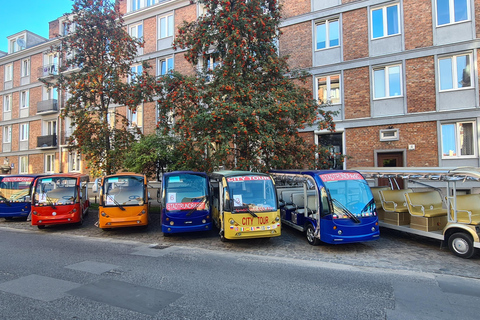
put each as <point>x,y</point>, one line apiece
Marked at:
<point>47,106</point>
<point>48,70</point>
<point>49,141</point>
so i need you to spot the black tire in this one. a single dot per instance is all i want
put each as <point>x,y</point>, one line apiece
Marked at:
<point>41,226</point>
<point>461,245</point>
<point>310,235</point>
<point>79,223</point>
<point>222,236</point>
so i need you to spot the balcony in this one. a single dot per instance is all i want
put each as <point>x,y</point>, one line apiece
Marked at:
<point>48,70</point>
<point>47,142</point>
<point>47,106</point>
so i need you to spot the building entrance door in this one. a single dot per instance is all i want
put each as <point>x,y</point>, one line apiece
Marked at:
<point>390,159</point>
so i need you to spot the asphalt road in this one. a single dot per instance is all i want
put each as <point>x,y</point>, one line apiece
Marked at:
<point>393,251</point>
<point>57,275</point>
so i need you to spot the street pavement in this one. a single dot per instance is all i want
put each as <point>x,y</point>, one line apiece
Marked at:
<point>393,251</point>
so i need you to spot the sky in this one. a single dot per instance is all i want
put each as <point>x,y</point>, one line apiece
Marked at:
<point>31,15</point>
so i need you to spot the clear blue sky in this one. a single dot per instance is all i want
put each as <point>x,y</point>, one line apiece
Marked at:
<point>31,15</point>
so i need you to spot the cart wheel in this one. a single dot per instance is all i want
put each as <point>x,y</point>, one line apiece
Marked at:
<point>461,244</point>
<point>310,233</point>
<point>222,237</point>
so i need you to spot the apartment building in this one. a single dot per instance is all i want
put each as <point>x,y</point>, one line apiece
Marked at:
<point>402,75</point>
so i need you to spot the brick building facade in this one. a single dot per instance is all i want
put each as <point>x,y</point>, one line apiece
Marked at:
<point>403,76</point>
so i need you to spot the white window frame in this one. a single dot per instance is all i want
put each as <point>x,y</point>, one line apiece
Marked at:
<point>387,81</point>
<point>50,163</point>
<point>9,72</point>
<point>159,65</point>
<point>136,69</point>
<point>24,131</point>
<point>133,30</point>
<point>23,164</point>
<point>50,93</point>
<point>24,99</point>
<point>7,134</point>
<point>25,72</point>
<point>457,140</point>
<point>135,119</point>
<point>201,10</point>
<point>7,103</point>
<point>50,127</point>
<point>208,65</point>
<point>13,45</point>
<point>389,135</point>
<point>327,33</point>
<point>454,72</point>
<point>385,20</point>
<point>74,161</point>
<point>329,87</point>
<point>170,29</point>
<point>452,13</point>
<point>135,5</point>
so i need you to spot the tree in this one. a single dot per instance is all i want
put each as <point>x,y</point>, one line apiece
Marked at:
<point>97,76</point>
<point>244,107</point>
<point>152,155</point>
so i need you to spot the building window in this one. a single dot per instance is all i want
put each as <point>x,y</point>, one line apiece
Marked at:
<point>50,163</point>
<point>166,26</point>
<point>202,10</point>
<point>327,34</point>
<point>329,89</point>
<point>135,70</point>
<point>208,64</point>
<point>455,72</point>
<point>7,134</point>
<point>50,127</point>
<point>25,72</point>
<point>69,127</point>
<point>50,93</point>
<point>135,118</point>
<point>17,44</point>
<point>74,162</point>
<point>7,103</point>
<point>136,31</point>
<point>334,142</point>
<point>387,82</point>
<point>111,118</point>
<point>385,21</point>
<point>24,99</point>
<point>389,135</point>
<point>458,139</point>
<point>8,72</point>
<point>164,66</point>
<point>134,5</point>
<point>23,166</point>
<point>50,64</point>
<point>24,132</point>
<point>451,11</point>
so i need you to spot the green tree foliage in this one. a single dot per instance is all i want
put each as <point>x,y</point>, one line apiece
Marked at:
<point>243,109</point>
<point>97,56</point>
<point>151,155</point>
